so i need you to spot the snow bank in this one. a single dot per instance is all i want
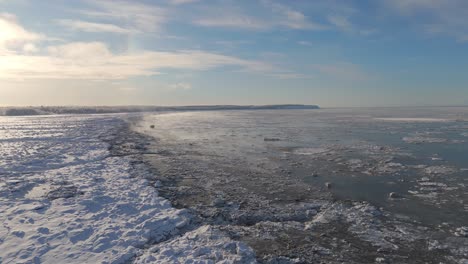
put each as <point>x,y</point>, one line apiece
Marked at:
<point>204,245</point>
<point>64,199</point>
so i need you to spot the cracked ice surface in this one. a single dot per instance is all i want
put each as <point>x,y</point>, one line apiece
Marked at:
<point>64,199</point>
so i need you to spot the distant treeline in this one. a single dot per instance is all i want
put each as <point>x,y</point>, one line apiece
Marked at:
<point>61,110</point>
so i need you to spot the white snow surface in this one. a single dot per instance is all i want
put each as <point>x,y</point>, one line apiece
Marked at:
<point>99,213</point>
<point>191,248</point>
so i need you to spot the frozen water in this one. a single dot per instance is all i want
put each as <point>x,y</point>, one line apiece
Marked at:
<point>365,155</point>
<point>344,146</point>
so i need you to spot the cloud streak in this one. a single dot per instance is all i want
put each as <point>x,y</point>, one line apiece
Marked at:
<point>80,25</point>
<point>94,60</point>
<point>277,16</point>
<point>136,16</point>
<point>290,18</point>
<point>233,21</point>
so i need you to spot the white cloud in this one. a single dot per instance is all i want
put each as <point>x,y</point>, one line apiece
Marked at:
<point>23,58</point>
<point>81,51</point>
<point>80,25</point>
<point>136,15</point>
<point>30,48</point>
<point>13,36</point>
<point>120,17</point>
<point>95,61</point>
<point>441,17</point>
<point>291,18</point>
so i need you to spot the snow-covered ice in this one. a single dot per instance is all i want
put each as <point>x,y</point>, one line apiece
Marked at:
<point>204,245</point>
<point>65,199</point>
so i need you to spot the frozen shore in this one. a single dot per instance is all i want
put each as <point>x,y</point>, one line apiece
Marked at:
<point>74,110</point>
<point>67,197</point>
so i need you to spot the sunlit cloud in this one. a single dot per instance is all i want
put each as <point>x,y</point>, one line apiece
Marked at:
<point>95,61</point>
<point>30,48</point>
<point>13,36</point>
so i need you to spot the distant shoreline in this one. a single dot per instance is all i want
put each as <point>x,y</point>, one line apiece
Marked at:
<point>58,110</point>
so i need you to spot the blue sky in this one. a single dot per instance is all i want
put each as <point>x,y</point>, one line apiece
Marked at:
<point>189,52</point>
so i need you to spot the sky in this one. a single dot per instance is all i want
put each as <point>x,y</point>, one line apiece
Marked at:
<point>204,52</point>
